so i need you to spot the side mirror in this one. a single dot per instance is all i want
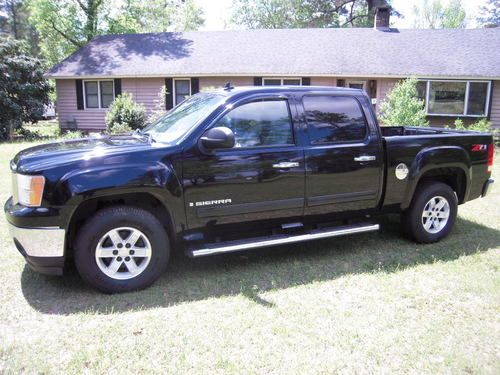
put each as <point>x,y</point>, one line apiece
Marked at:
<point>220,137</point>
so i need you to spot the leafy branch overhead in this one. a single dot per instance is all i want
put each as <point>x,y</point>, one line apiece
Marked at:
<point>64,26</point>
<point>274,14</point>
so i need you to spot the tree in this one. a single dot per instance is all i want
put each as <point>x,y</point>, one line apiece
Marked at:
<point>66,25</point>
<point>402,106</point>
<point>490,14</point>
<point>434,15</point>
<point>23,89</point>
<point>273,14</point>
<point>14,21</point>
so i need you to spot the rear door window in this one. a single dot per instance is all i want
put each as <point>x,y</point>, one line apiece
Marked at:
<point>334,119</point>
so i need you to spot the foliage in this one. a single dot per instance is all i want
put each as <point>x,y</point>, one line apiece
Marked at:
<point>490,14</point>
<point>72,134</point>
<point>14,21</point>
<point>274,14</point>
<point>159,108</point>
<point>125,115</point>
<point>434,15</point>
<point>482,125</point>
<point>401,106</point>
<point>66,25</point>
<point>119,129</point>
<point>23,89</point>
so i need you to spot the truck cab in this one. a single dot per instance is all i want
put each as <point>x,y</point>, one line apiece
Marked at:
<point>237,169</point>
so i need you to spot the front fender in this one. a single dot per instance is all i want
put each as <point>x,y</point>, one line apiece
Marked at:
<point>156,179</point>
<point>433,158</point>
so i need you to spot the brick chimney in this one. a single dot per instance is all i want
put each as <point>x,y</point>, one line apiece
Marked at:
<point>382,17</point>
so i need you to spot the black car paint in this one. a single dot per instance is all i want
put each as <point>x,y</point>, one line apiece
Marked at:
<point>326,184</point>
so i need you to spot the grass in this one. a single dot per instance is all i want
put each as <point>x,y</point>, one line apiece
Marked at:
<point>373,303</point>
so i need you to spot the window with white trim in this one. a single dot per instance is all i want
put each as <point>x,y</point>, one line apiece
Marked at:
<point>455,98</point>
<point>98,94</point>
<point>281,81</point>
<point>182,90</point>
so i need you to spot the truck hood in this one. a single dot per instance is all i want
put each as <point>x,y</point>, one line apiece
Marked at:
<point>38,158</point>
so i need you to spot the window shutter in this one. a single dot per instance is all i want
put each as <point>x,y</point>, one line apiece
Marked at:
<point>257,81</point>
<point>306,81</point>
<point>118,87</point>
<point>79,94</point>
<point>195,85</point>
<point>340,82</point>
<point>169,94</point>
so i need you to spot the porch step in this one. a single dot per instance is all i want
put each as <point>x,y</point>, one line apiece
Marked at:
<point>279,239</point>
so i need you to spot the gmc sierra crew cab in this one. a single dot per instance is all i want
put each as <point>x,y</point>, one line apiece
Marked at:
<point>236,169</point>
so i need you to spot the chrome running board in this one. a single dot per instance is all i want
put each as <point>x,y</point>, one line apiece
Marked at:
<point>253,243</point>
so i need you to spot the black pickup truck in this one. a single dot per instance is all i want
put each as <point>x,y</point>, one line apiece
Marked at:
<point>236,169</point>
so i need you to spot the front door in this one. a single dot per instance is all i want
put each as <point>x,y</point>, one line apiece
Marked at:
<point>344,161</point>
<point>260,178</point>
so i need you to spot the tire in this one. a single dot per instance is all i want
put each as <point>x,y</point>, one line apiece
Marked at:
<point>121,249</point>
<point>435,200</point>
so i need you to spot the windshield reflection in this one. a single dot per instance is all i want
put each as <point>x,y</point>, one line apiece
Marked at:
<point>184,117</point>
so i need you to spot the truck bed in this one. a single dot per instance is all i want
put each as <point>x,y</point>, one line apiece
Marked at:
<point>407,145</point>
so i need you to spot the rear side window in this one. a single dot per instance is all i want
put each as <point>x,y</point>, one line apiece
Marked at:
<point>260,123</point>
<point>332,119</point>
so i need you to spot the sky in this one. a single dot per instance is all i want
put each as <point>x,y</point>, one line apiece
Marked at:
<point>218,12</point>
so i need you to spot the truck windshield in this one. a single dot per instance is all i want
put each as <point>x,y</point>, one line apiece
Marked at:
<point>184,117</point>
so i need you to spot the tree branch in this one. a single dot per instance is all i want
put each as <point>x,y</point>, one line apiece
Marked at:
<point>65,36</point>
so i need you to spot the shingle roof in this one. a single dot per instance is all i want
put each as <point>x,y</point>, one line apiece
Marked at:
<point>295,52</point>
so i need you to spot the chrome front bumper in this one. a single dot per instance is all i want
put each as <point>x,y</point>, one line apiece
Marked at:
<point>39,242</point>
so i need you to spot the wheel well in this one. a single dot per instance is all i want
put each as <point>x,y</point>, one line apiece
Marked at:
<point>141,200</point>
<point>453,177</point>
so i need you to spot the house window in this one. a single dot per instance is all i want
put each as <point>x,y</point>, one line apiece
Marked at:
<point>282,81</point>
<point>99,94</point>
<point>182,90</point>
<point>455,98</point>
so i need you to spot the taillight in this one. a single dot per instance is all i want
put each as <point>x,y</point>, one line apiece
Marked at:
<point>491,152</point>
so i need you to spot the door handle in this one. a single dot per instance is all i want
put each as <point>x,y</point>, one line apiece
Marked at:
<point>364,158</point>
<point>286,164</point>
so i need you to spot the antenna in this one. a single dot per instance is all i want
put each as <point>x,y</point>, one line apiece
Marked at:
<point>228,87</point>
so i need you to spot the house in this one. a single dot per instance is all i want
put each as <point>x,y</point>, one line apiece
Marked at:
<point>458,69</point>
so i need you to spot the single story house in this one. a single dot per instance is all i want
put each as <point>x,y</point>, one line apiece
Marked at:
<point>459,69</point>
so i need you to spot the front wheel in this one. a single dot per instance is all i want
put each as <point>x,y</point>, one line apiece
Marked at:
<point>432,213</point>
<point>121,249</point>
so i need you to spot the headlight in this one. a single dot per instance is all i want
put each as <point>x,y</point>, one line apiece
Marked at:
<point>29,189</point>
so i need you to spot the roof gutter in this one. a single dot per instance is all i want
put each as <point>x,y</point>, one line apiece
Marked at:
<point>328,75</point>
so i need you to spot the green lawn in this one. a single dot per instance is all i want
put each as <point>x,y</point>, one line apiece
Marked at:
<point>373,303</point>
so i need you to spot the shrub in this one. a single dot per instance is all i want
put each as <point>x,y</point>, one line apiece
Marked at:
<point>483,125</point>
<point>401,106</point>
<point>120,129</point>
<point>124,113</point>
<point>159,109</point>
<point>72,134</point>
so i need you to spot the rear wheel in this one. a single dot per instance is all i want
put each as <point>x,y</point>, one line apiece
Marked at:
<point>432,213</point>
<point>121,249</point>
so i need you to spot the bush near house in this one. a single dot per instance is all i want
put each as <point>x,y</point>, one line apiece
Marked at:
<point>402,106</point>
<point>124,115</point>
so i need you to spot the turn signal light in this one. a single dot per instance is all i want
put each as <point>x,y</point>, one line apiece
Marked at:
<point>30,190</point>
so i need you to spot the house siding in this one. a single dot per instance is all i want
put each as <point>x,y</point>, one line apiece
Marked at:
<point>210,82</point>
<point>495,105</point>
<point>146,91</point>
<point>87,119</point>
